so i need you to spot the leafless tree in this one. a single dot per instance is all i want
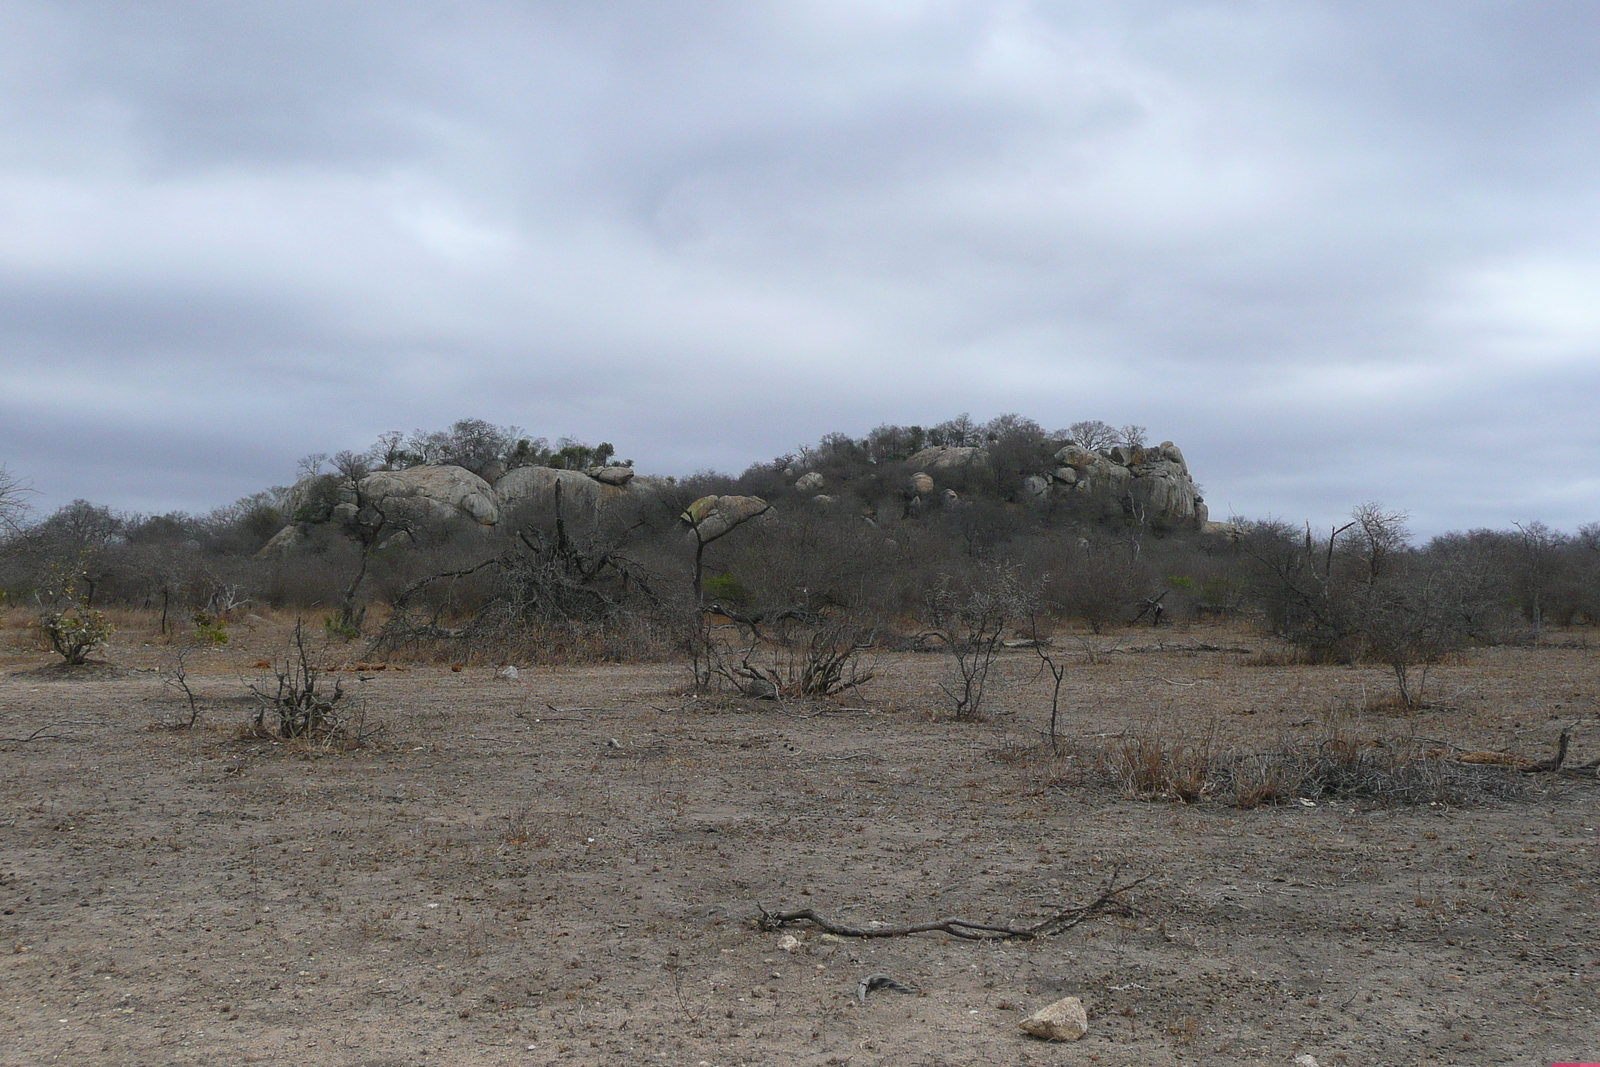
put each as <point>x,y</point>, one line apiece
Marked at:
<point>1379,534</point>
<point>1094,435</point>
<point>372,526</point>
<point>1539,547</point>
<point>13,503</point>
<point>972,623</point>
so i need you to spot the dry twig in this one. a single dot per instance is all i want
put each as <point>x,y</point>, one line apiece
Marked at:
<point>1059,922</point>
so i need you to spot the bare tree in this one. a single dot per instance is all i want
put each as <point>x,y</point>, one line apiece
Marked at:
<point>371,526</point>
<point>1370,596</point>
<point>1094,435</point>
<point>1379,534</point>
<point>1422,612</point>
<point>1058,674</point>
<point>972,624</point>
<point>13,503</point>
<point>958,432</point>
<point>1539,547</point>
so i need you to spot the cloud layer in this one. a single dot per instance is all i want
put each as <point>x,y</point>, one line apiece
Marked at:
<point>1338,251</point>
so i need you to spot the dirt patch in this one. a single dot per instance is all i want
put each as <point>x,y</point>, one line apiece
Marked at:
<point>567,867</point>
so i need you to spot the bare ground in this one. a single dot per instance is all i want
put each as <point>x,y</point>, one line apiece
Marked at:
<point>565,868</point>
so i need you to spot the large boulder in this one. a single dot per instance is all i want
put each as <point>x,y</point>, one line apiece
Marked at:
<point>429,493</point>
<point>611,475</point>
<point>811,482</point>
<point>712,516</point>
<point>534,488</point>
<point>1077,457</point>
<point>1230,531</point>
<point>946,457</point>
<point>443,493</point>
<point>285,541</point>
<point>1163,490</point>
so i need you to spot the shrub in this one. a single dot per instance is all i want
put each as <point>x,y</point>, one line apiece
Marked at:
<point>75,632</point>
<point>972,624</point>
<point>209,629</point>
<point>73,628</point>
<point>299,705</point>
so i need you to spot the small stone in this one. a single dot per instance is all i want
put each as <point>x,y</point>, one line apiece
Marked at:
<point>1305,1059</point>
<point>1065,1020</point>
<point>510,672</point>
<point>789,943</point>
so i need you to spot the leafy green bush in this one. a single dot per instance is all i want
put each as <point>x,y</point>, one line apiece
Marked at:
<point>209,629</point>
<point>726,588</point>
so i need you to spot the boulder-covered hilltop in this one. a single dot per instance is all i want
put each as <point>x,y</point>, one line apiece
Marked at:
<point>477,475</point>
<point>1152,485</point>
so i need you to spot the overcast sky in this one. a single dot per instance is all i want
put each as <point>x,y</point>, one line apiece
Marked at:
<point>1337,251</point>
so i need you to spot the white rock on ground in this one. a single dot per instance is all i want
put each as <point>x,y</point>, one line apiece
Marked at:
<point>1065,1020</point>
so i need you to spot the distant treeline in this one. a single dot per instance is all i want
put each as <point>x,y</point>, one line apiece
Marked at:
<point>865,551</point>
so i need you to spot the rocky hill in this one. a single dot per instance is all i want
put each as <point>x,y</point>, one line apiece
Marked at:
<point>1088,481</point>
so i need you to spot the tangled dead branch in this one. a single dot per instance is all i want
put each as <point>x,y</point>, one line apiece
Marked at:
<point>294,705</point>
<point>546,583</point>
<point>823,663</point>
<point>1060,921</point>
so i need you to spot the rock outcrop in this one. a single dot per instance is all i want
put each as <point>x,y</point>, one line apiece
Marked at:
<point>1151,484</point>
<point>419,494</point>
<point>946,457</point>
<point>712,516</point>
<point>582,492</point>
<point>444,493</point>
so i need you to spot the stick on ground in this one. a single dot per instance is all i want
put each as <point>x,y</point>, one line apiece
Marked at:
<point>1059,922</point>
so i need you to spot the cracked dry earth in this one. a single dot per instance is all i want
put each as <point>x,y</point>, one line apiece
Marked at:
<point>563,868</point>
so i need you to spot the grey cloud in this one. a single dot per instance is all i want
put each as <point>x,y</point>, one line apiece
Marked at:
<point>1331,248</point>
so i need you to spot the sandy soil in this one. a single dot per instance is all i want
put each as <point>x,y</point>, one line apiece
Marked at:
<point>564,868</point>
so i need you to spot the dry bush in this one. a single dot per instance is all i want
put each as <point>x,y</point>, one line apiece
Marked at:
<point>552,596</point>
<point>972,622</point>
<point>802,663</point>
<point>294,704</point>
<point>66,620</point>
<point>1156,767</point>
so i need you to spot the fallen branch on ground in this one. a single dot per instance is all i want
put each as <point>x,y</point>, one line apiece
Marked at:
<point>1162,646</point>
<point>1059,922</point>
<point>40,735</point>
<point>1553,764</point>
